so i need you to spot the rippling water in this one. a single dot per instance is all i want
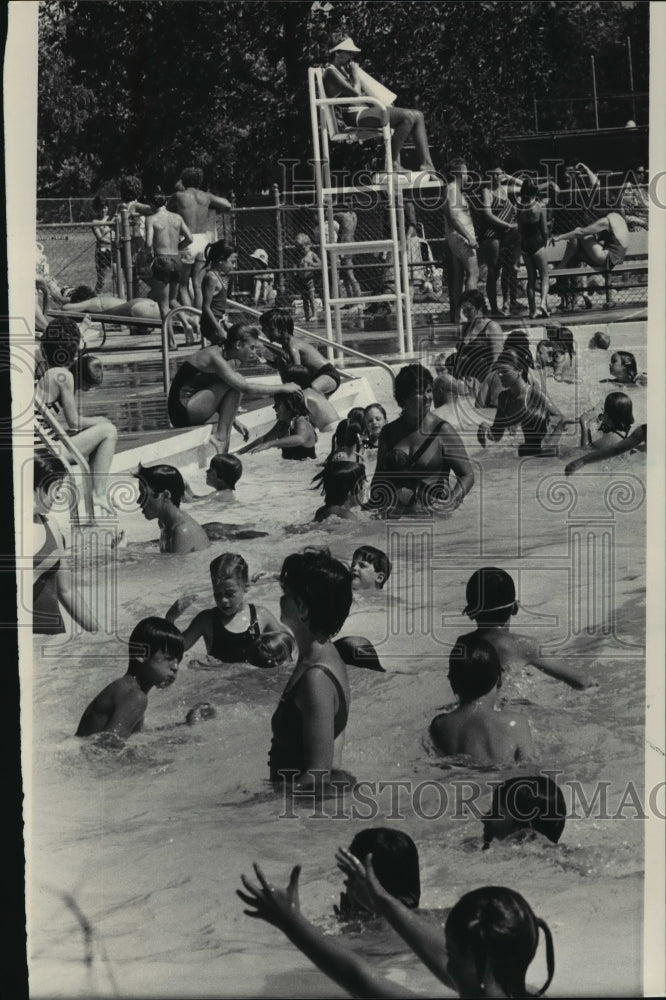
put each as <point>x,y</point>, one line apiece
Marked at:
<point>148,839</point>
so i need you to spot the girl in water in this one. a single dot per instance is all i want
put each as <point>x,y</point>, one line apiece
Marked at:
<point>95,437</point>
<point>312,714</point>
<point>609,433</point>
<point>623,369</point>
<point>293,432</point>
<point>490,937</point>
<point>522,403</point>
<point>220,263</point>
<point>374,418</point>
<point>342,484</point>
<point>209,383</point>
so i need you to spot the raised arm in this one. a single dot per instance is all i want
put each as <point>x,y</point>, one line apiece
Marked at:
<point>219,204</point>
<point>592,230</point>
<point>424,940</point>
<point>636,439</point>
<point>553,667</point>
<point>281,908</point>
<point>236,381</point>
<point>277,440</point>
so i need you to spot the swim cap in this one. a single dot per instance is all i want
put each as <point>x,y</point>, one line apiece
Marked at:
<point>489,589</point>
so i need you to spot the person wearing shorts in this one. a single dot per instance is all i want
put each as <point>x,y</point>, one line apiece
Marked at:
<point>195,252</point>
<point>166,235</point>
<point>460,237</point>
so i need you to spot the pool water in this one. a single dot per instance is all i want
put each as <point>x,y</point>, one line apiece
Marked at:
<point>149,839</point>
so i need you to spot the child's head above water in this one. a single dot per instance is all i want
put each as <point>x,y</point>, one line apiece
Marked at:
<point>224,472</point>
<point>321,589</point>
<point>370,567</point>
<point>229,565</point>
<point>618,412</point>
<point>623,366</point>
<point>492,933</point>
<point>341,482</point>
<point>490,596</point>
<point>374,418</point>
<point>150,638</point>
<point>532,802</point>
<point>600,340</point>
<point>160,481</point>
<point>292,404</point>
<point>474,669</point>
<point>395,862</point>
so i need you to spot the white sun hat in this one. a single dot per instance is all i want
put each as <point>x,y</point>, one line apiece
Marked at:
<point>346,45</point>
<point>261,255</point>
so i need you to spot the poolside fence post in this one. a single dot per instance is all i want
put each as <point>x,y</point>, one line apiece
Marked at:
<point>126,250</point>
<point>279,237</point>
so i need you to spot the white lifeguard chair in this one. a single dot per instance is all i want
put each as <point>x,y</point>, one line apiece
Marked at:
<point>325,130</point>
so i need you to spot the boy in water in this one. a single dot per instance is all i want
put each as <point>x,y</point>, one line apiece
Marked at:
<point>475,728</point>
<point>222,474</point>
<point>161,489</point>
<point>491,601</point>
<point>155,649</point>
<point>395,860</point>
<point>370,568</point>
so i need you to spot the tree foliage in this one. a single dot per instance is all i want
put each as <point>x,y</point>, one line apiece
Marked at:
<point>150,86</point>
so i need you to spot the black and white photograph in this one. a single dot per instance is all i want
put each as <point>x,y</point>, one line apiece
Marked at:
<point>346,327</point>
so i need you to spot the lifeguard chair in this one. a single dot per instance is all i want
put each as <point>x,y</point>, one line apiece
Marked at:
<point>327,129</point>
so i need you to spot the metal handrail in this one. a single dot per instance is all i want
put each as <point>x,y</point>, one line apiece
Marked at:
<point>61,435</point>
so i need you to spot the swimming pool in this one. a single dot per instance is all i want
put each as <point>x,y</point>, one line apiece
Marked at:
<point>149,840</point>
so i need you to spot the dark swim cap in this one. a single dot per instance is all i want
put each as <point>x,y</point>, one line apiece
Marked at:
<point>489,589</point>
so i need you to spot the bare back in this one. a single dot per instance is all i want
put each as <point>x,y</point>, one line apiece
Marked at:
<point>479,732</point>
<point>167,229</point>
<point>192,205</point>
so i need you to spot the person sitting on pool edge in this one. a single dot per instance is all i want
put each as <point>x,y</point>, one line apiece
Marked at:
<point>395,859</point>
<point>524,806</point>
<point>155,650</point>
<point>417,452</point>
<point>491,603</point>
<point>161,490</point>
<point>475,728</point>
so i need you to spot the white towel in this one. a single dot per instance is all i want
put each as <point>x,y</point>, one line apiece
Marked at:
<point>373,88</point>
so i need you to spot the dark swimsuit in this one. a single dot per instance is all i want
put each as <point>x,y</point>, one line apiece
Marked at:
<point>299,451</point>
<point>532,417</point>
<point>474,359</point>
<point>188,380</point>
<point>218,307</point>
<point>503,210</point>
<point>234,647</point>
<point>531,237</point>
<point>301,375</point>
<point>287,752</point>
<point>46,617</point>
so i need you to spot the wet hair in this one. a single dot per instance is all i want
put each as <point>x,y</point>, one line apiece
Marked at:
<point>356,415</point>
<point>518,341</point>
<point>228,468</point>
<point>513,359</point>
<point>627,360</point>
<point>217,252</point>
<point>81,293</point>
<point>323,584</point>
<point>490,596</point>
<point>532,802</point>
<point>497,927</point>
<point>601,340</point>
<point>619,410</point>
<point>410,380</point>
<point>192,177</point>
<point>379,561</point>
<point>130,187</point>
<point>154,635</point>
<point>395,862</point>
<point>229,564</point>
<point>339,480</point>
<point>48,470</point>
<point>161,478</point>
<point>347,434</point>
<point>475,298</point>
<point>294,402</point>
<point>61,342</point>
<point>529,192</point>
<point>474,669</point>
<point>99,202</point>
<point>277,324</point>
<point>373,406</point>
<point>157,198</point>
<point>239,332</point>
<point>562,336</point>
<point>298,374</point>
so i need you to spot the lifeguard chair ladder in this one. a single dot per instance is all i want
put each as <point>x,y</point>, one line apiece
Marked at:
<point>325,129</point>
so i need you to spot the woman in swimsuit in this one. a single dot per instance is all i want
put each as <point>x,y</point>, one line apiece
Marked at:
<point>417,452</point>
<point>95,437</point>
<point>220,263</point>
<point>233,629</point>
<point>522,402</point>
<point>293,432</point>
<point>52,586</point>
<point>498,243</point>
<point>533,228</point>
<point>312,713</point>
<point>209,383</point>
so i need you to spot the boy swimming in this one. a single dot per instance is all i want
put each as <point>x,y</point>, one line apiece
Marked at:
<point>474,728</point>
<point>155,650</point>
<point>395,859</point>
<point>370,568</point>
<point>491,602</point>
<point>524,806</point>
<point>161,490</point>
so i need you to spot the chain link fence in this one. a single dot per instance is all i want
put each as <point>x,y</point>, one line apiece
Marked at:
<point>70,247</point>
